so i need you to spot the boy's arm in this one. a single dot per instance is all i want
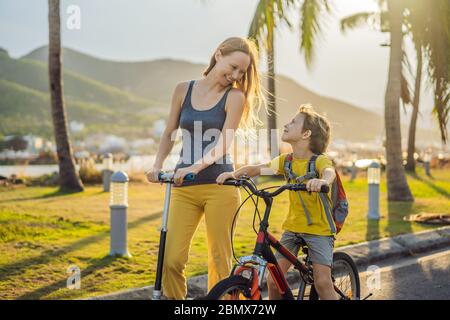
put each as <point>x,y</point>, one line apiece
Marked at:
<point>327,178</point>
<point>250,170</point>
<point>329,174</point>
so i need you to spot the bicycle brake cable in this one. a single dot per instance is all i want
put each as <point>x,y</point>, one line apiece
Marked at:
<point>234,219</point>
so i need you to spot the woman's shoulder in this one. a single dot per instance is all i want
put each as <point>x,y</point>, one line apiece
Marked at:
<point>182,87</point>
<point>235,98</point>
<point>181,90</point>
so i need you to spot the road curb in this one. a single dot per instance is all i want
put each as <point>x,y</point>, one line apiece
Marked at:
<point>364,254</point>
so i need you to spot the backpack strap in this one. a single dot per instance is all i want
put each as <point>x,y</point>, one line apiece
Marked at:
<point>312,166</point>
<point>305,209</point>
<point>311,171</point>
<point>288,173</point>
<point>328,210</point>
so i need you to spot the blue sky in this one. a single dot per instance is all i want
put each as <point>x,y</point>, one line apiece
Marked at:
<point>351,67</point>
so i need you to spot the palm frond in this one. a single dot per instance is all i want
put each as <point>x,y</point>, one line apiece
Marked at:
<point>269,14</point>
<point>357,20</point>
<point>437,48</point>
<point>310,27</point>
<point>405,94</point>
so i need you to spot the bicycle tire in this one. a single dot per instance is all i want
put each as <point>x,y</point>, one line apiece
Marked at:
<point>223,287</point>
<point>342,257</point>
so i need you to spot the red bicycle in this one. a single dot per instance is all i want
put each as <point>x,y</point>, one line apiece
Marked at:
<point>246,279</point>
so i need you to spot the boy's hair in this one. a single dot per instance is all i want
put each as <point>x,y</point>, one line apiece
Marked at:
<point>319,126</point>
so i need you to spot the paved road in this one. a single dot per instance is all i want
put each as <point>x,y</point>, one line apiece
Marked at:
<point>425,278</point>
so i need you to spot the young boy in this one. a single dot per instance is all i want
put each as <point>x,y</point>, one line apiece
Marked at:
<point>308,133</point>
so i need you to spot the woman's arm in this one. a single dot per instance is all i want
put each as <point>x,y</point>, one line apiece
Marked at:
<point>166,141</point>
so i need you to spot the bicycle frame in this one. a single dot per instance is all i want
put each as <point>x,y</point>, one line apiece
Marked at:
<point>264,258</point>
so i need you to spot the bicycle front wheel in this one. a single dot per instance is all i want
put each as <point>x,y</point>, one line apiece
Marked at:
<point>345,277</point>
<point>235,287</point>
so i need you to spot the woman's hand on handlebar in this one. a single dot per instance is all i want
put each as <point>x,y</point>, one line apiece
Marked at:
<point>225,176</point>
<point>314,185</point>
<point>183,172</point>
<point>152,175</point>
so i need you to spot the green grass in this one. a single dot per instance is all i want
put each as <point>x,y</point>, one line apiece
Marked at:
<point>44,231</point>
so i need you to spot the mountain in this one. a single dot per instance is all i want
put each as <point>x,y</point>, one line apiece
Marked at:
<point>25,104</point>
<point>34,74</point>
<point>24,110</point>
<point>156,80</point>
<point>153,80</point>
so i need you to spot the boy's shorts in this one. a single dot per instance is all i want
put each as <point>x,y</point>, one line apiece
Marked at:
<point>320,248</point>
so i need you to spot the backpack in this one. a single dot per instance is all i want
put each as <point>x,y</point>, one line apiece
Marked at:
<point>339,204</point>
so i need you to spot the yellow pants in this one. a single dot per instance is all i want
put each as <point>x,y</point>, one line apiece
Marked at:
<point>187,206</point>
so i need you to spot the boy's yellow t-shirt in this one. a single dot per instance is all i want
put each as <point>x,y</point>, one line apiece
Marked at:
<point>296,219</point>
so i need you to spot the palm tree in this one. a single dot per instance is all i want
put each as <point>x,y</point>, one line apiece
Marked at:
<point>398,189</point>
<point>390,19</point>
<point>380,21</point>
<point>69,178</point>
<point>270,14</point>
<point>419,23</point>
<point>436,39</point>
<point>410,161</point>
<point>429,27</point>
<point>417,29</point>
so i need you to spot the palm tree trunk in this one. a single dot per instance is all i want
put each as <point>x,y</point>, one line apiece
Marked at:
<point>271,101</point>
<point>411,162</point>
<point>68,176</point>
<point>398,189</point>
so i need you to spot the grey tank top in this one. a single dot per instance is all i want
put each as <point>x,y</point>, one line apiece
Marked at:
<point>200,131</point>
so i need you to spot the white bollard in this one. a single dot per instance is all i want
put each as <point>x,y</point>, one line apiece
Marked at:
<point>373,180</point>
<point>107,171</point>
<point>118,212</point>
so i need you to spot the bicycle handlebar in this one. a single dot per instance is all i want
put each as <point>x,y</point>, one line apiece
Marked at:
<point>289,186</point>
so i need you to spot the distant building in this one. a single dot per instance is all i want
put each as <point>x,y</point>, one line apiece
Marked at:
<point>35,144</point>
<point>100,143</point>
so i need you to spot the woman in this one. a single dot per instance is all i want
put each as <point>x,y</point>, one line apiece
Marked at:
<point>207,111</point>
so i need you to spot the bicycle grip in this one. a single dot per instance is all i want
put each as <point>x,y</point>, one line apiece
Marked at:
<point>230,182</point>
<point>302,187</point>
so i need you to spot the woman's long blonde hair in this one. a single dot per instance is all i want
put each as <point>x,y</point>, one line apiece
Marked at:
<point>250,83</point>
